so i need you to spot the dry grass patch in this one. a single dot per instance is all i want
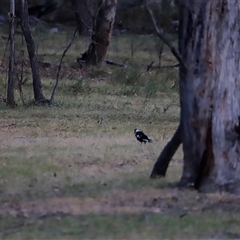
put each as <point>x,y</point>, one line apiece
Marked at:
<point>75,170</point>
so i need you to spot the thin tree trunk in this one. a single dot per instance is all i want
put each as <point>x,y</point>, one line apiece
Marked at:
<point>37,84</point>
<point>10,86</point>
<point>160,167</point>
<point>209,43</point>
<point>97,50</point>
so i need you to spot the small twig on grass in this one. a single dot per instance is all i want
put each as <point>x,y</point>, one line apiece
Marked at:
<point>173,85</point>
<point>82,60</point>
<point>170,104</point>
<point>171,66</point>
<point>111,62</point>
<point>60,64</point>
<point>150,66</point>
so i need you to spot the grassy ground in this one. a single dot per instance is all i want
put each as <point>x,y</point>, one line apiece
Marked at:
<point>75,171</point>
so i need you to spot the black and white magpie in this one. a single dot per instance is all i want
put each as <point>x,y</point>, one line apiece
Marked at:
<point>141,137</point>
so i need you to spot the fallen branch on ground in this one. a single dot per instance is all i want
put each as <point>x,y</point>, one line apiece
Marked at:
<point>110,62</point>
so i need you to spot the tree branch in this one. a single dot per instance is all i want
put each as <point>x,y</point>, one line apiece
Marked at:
<point>160,167</point>
<point>60,65</point>
<point>161,35</point>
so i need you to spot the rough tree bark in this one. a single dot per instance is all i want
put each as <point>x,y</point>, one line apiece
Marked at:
<point>102,31</point>
<point>10,87</point>
<point>209,43</point>
<point>37,84</point>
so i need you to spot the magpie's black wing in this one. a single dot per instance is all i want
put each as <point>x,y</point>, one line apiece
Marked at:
<point>144,136</point>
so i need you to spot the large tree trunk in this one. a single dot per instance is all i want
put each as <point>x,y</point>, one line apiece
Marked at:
<point>209,43</point>
<point>37,84</point>
<point>102,32</point>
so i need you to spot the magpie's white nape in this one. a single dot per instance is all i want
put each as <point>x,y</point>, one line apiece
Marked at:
<point>141,136</point>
